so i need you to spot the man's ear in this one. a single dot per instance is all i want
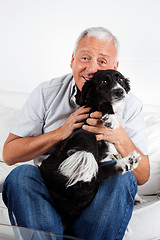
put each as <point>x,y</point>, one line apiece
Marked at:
<point>72,60</point>
<point>116,65</point>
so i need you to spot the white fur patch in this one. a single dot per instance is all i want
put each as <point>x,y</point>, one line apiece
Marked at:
<point>115,120</point>
<point>80,166</point>
<point>130,162</point>
<point>112,120</point>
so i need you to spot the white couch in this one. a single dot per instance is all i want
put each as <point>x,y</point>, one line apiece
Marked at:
<point>145,221</point>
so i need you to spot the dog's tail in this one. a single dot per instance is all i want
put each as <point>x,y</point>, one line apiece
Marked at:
<point>80,166</point>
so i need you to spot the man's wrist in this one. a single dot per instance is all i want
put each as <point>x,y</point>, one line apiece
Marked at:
<point>125,146</point>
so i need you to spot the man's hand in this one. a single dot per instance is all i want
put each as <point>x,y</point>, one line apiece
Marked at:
<point>114,136</point>
<point>117,136</point>
<point>74,121</point>
<point>122,143</point>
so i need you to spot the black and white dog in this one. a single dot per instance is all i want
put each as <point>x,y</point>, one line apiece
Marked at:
<point>76,166</point>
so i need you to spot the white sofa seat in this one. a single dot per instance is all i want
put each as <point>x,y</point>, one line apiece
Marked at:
<point>4,219</point>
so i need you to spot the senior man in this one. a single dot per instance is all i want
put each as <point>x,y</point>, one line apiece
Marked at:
<point>50,115</point>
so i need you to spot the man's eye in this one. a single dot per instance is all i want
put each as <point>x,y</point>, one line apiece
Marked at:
<point>103,62</point>
<point>84,59</point>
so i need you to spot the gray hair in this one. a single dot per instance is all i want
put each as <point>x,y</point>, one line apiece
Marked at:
<point>99,33</point>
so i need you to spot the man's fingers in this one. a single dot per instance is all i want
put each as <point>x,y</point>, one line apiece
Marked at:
<point>82,110</point>
<point>78,125</point>
<point>94,122</point>
<point>82,117</point>
<point>99,137</point>
<point>96,115</point>
<point>79,115</point>
<point>92,129</point>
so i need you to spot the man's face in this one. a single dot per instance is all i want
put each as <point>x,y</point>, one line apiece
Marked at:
<point>91,56</point>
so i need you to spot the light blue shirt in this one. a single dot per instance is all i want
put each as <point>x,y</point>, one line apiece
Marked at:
<point>50,104</point>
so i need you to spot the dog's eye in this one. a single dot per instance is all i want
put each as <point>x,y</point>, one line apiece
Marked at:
<point>104,82</point>
<point>120,80</point>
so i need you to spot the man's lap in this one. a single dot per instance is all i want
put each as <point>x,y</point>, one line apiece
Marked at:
<point>110,209</point>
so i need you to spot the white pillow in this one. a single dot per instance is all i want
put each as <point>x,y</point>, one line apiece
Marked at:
<point>14,100</point>
<point>152,121</point>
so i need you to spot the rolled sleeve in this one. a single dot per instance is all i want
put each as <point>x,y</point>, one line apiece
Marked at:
<point>31,118</point>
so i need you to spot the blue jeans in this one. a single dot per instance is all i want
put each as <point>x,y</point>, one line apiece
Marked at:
<point>30,205</point>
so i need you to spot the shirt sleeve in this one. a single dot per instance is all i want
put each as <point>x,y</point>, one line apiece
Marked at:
<point>134,122</point>
<point>31,118</point>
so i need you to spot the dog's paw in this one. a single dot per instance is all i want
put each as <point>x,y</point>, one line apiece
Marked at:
<point>129,163</point>
<point>116,156</point>
<point>105,117</point>
<point>106,121</point>
<point>110,121</point>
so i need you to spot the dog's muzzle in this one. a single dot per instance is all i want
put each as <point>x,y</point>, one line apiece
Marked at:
<point>118,93</point>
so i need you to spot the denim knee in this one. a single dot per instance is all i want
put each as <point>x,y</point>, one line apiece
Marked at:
<point>28,200</point>
<point>17,178</point>
<point>108,214</point>
<point>128,183</point>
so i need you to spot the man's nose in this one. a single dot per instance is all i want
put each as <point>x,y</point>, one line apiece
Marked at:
<point>92,67</point>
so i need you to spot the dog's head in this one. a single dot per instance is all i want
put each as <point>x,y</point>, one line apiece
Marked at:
<point>104,89</point>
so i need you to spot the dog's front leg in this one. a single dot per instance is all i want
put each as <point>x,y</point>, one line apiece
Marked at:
<point>128,163</point>
<point>121,166</point>
<point>111,121</point>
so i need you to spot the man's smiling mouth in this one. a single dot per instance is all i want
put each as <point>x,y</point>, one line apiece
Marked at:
<point>86,79</point>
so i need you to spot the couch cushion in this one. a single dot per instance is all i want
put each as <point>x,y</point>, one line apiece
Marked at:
<point>13,99</point>
<point>4,170</point>
<point>4,219</point>
<point>152,121</point>
<point>144,223</point>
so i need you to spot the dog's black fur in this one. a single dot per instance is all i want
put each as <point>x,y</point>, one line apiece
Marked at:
<point>100,94</point>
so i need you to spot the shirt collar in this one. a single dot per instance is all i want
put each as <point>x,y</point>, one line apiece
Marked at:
<point>73,91</point>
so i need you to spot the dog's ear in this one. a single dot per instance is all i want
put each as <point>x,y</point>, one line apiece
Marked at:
<point>125,83</point>
<point>87,94</point>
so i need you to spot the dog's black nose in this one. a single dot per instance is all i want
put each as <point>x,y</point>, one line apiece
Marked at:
<point>118,93</point>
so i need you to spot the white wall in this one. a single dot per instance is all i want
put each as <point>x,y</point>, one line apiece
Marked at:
<point>37,38</point>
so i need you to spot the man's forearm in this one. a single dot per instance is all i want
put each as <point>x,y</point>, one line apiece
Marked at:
<point>122,143</point>
<point>18,149</point>
<point>142,172</point>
